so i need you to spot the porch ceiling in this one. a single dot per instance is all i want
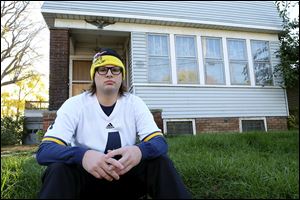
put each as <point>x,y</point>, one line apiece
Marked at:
<point>99,37</point>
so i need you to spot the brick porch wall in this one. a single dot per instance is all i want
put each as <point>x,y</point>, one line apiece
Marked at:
<point>157,118</point>
<point>276,123</point>
<point>48,118</point>
<point>59,68</point>
<point>216,125</point>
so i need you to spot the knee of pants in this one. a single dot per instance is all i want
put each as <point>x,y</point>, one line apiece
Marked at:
<point>57,169</point>
<point>162,160</point>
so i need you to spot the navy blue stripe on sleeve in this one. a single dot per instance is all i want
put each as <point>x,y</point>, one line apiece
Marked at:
<point>153,148</point>
<point>51,152</point>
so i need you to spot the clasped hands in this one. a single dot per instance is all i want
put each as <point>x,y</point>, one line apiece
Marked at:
<point>105,166</point>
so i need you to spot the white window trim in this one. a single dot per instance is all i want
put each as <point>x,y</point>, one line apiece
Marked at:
<point>226,62</point>
<point>179,120</point>
<point>250,61</point>
<point>252,118</point>
<point>173,58</point>
<point>200,59</point>
<point>201,66</point>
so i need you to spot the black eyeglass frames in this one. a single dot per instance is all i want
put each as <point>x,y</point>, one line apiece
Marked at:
<point>113,70</point>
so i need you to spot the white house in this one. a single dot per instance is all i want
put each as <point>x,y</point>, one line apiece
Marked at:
<point>200,66</point>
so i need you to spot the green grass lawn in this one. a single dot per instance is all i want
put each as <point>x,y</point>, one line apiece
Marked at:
<point>247,165</point>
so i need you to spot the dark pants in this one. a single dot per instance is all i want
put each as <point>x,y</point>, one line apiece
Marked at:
<point>157,178</point>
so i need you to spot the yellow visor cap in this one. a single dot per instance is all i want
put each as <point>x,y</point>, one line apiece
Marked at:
<point>102,61</point>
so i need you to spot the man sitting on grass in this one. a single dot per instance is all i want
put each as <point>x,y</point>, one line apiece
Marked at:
<point>90,150</point>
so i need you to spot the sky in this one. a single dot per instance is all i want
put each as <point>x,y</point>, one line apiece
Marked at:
<point>43,65</point>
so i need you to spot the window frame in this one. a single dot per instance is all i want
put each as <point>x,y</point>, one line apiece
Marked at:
<point>252,118</point>
<point>221,60</point>
<point>148,58</point>
<point>246,61</point>
<point>195,58</point>
<point>72,81</point>
<point>268,62</point>
<point>179,120</point>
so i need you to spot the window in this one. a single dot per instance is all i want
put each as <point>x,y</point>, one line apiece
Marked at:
<point>213,60</point>
<point>261,62</point>
<point>159,68</point>
<point>81,79</point>
<point>186,59</point>
<point>180,127</point>
<point>252,124</point>
<point>238,63</point>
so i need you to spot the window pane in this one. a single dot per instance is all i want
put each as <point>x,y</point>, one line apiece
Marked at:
<point>214,72</point>
<point>158,45</point>
<point>263,74</point>
<point>185,46</point>
<point>239,73</point>
<point>212,48</point>
<point>237,50</point>
<point>159,70</point>
<point>253,125</point>
<point>187,71</point>
<point>81,70</point>
<point>184,127</point>
<point>260,50</point>
<point>187,68</point>
<point>159,64</point>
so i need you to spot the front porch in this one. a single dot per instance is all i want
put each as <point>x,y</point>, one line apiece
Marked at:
<point>71,53</point>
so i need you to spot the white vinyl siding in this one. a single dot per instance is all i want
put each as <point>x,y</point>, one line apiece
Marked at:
<point>238,62</point>
<point>186,60</point>
<point>139,57</point>
<point>129,77</point>
<point>200,101</point>
<point>213,60</point>
<point>261,62</point>
<point>159,67</point>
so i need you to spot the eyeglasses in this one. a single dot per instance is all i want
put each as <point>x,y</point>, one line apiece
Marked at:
<point>113,70</point>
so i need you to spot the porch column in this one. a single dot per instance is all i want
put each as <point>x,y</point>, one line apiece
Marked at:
<point>59,68</point>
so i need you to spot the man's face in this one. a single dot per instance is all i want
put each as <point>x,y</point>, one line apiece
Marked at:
<point>110,82</point>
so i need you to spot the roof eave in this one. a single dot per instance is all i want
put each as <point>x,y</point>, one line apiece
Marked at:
<point>50,15</point>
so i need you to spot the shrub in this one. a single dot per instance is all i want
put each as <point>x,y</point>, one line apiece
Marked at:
<point>40,134</point>
<point>12,130</point>
<point>292,122</point>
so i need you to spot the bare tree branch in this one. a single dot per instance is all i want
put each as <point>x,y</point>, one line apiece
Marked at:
<point>18,33</point>
<point>19,79</point>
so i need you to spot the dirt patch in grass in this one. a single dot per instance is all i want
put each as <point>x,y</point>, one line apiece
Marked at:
<point>18,148</point>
